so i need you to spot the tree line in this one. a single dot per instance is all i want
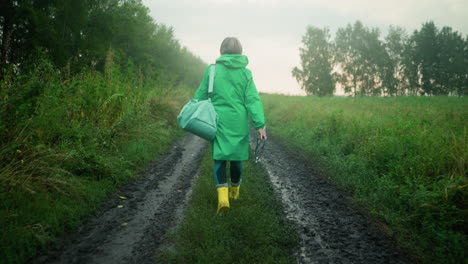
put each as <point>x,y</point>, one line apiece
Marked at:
<point>83,65</point>
<point>75,35</point>
<point>430,61</point>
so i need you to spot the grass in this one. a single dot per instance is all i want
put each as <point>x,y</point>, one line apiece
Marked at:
<point>32,221</point>
<point>253,231</point>
<point>67,144</point>
<point>404,159</point>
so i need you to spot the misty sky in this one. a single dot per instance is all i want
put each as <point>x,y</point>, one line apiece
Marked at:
<point>271,30</point>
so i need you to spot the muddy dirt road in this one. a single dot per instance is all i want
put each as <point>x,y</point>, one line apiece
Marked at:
<point>330,230</point>
<point>129,227</point>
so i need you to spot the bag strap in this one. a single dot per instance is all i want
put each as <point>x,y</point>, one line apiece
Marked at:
<point>212,75</point>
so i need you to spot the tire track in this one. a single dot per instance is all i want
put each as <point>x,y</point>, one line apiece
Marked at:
<point>330,230</point>
<point>131,230</point>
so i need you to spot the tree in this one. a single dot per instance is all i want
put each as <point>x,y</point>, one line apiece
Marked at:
<point>423,52</point>
<point>78,34</point>
<point>362,58</point>
<point>7,14</point>
<point>463,89</point>
<point>435,61</point>
<point>316,55</point>
<point>394,79</point>
<point>451,77</point>
<point>411,68</point>
<point>429,62</point>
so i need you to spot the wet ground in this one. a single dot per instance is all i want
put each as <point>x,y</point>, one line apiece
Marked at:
<point>131,226</point>
<point>331,231</point>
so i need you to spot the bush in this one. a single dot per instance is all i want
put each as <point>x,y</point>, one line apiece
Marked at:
<point>73,139</point>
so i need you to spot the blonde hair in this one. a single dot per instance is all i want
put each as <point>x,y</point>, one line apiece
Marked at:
<point>230,45</point>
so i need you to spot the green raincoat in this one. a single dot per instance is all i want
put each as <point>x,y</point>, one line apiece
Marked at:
<point>234,98</point>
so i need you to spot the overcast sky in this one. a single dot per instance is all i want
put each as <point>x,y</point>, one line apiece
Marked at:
<point>271,30</point>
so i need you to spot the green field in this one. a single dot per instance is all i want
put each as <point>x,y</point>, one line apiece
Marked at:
<point>253,231</point>
<point>404,159</point>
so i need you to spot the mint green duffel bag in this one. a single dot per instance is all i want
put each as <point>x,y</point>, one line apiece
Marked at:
<point>199,116</point>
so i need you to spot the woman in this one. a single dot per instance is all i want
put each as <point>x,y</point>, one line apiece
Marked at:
<point>234,98</point>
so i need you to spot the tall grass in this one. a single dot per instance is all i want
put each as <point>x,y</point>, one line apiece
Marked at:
<point>404,159</point>
<point>66,143</point>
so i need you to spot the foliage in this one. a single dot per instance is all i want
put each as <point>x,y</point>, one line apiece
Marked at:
<point>394,82</point>
<point>404,159</point>
<point>89,92</point>
<point>361,56</point>
<point>77,34</point>
<point>316,61</point>
<point>440,60</point>
<point>73,139</point>
<point>253,231</point>
<point>429,62</point>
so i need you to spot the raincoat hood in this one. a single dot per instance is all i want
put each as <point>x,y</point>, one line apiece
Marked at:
<point>233,60</point>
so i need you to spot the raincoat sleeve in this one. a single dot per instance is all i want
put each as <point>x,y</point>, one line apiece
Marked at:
<point>202,91</point>
<point>254,105</point>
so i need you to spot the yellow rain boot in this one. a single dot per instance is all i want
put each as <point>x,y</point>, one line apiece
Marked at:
<point>223,199</point>
<point>234,192</point>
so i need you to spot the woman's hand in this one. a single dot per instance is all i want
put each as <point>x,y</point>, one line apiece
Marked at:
<point>262,132</point>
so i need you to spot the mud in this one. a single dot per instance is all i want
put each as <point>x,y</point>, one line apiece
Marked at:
<point>331,231</point>
<point>130,227</point>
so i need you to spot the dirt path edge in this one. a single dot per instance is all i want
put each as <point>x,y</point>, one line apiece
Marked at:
<point>130,230</point>
<point>331,227</point>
